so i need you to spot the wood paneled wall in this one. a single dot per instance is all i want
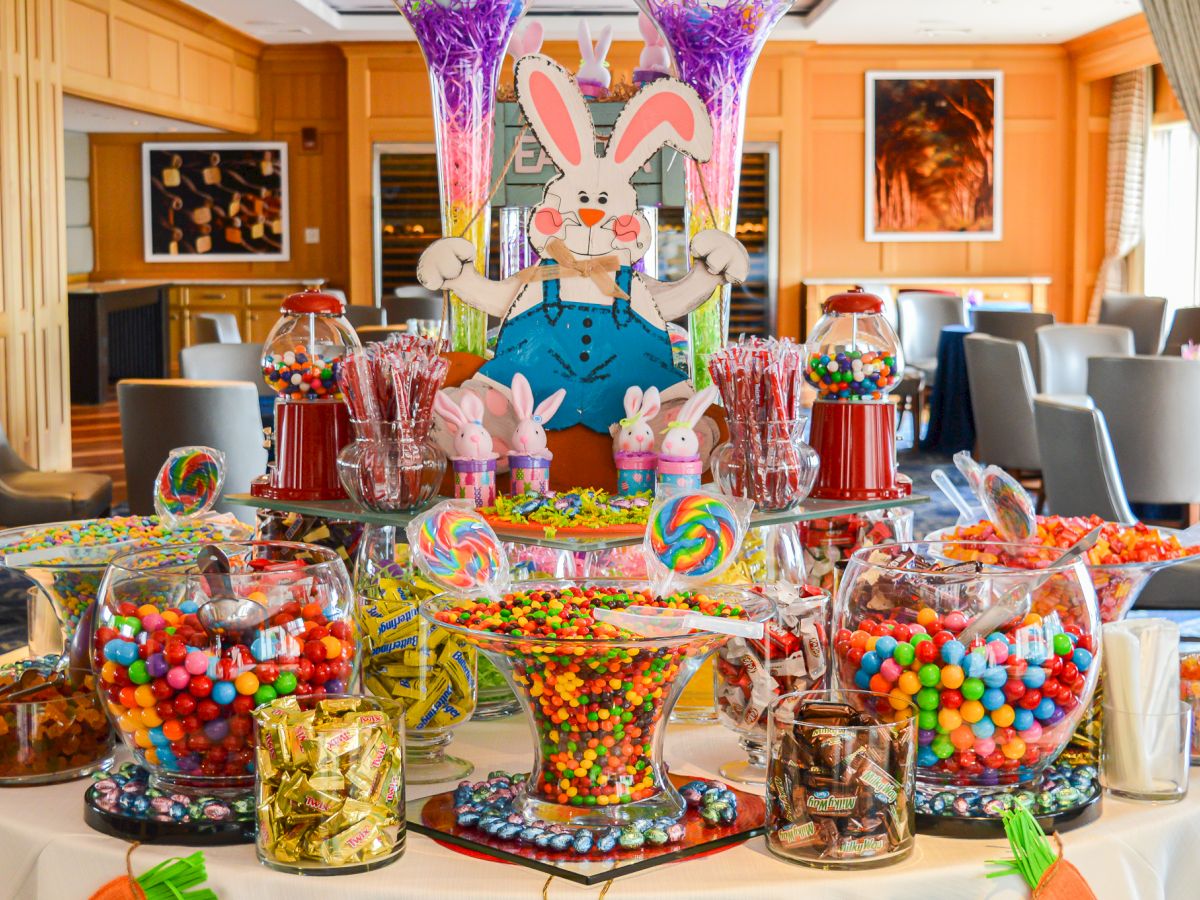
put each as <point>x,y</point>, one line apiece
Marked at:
<point>163,58</point>
<point>34,402</point>
<point>302,87</point>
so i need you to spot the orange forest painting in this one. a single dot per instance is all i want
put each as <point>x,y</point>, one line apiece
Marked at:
<point>933,151</point>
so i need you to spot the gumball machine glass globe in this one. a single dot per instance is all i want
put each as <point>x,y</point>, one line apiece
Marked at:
<point>306,346</point>
<point>853,353</point>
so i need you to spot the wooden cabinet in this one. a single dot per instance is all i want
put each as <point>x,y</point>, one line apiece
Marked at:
<point>256,307</point>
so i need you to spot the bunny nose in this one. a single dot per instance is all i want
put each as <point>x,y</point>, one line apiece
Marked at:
<point>590,217</point>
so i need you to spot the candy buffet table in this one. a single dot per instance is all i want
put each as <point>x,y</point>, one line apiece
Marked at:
<point>1132,851</point>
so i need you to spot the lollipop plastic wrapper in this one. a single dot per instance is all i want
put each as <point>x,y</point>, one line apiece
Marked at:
<point>456,549</point>
<point>1008,505</point>
<point>189,483</point>
<point>970,470</point>
<point>693,536</point>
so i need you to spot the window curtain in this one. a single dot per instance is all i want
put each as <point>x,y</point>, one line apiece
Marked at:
<point>1128,138</point>
<point>1175,27</point>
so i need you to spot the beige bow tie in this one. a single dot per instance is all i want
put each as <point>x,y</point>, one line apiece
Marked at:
<point>598,268</point>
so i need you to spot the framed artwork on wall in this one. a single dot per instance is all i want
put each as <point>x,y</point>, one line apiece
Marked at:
<point>934,156</point>
<point>221,202</point>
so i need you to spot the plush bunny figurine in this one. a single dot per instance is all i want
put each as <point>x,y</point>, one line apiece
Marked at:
<point>471,439</point>
<point>655,61</point>
<point>530,437</point>
<point>636,434</point>
<point>527,42</point>
<point>593,76</point>
<point>681,441</point>
<point>583,319</point>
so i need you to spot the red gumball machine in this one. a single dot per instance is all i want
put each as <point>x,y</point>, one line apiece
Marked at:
<point>854,360</point>
<point>300,363</point>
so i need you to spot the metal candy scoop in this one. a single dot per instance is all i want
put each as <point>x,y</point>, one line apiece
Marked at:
<point>665,621</point>
<point>225,613</point>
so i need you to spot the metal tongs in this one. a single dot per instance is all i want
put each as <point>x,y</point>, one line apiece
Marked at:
<point>665,621</point>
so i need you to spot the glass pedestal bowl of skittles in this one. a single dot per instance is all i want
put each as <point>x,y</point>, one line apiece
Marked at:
<point>1000,662</point>
<point>598,697</point>
<point>189,640</point>
<point>301,359</point>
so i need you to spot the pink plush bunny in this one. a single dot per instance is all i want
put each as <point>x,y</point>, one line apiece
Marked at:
<point>637,434</point>
<point>681,441</point>
<point>655,61</point>
<point>530,437</point>
<point>593,76</point>
<point>527,42</point>
<point>471,439</point>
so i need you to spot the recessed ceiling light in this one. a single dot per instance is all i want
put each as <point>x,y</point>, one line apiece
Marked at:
<point>135,122</point>
<point>943,31</point>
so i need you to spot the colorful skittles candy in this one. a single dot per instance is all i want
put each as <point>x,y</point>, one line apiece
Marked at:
<point>184,655</point>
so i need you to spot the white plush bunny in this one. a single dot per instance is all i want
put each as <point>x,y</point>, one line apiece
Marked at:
<point>655,61</point>
<point>593,76</point>
<point>527,42</point>
<point>471,439</point>
<point>637,434</point>
<point>530,437</point>
<point>681,441</point>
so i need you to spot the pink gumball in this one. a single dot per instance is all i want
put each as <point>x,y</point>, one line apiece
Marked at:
<point>998,651</point>
<point>984,746</point>
<point>1032,734</point>
<point>954,621</point>
<point>196,663</point>
<point>153,622</point>
<point>890,670</point>
<point>178,678</point>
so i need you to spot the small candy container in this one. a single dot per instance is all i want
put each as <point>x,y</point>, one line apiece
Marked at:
<point>528,474</point>
<point>676,473</point>
<point>431,672</point>
<point>841,781</point>
<point>635,471</point>
<point>475,480</point>
<point>329,784</point>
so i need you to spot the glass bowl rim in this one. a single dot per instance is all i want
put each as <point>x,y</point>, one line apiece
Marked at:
<point>75,697</point>
<point>330,557</point>
<point>992,571</point>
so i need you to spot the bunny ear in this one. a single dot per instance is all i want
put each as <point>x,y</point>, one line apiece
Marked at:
<point>584,33</point>
<point>556,111</point>
<point>534,35</point>
<point>603,45</point>
<point>547,408</point>
<point>633,400</point>
<point>522,396</point>
<point>665,113</point>
<point>651,404</point>
<point>448,410</point>
<point>696,406</point>
<point>648,29</point>
<point>472,407</point>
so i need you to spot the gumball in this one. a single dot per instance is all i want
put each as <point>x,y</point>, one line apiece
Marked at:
<point>1013,691</point>
<point>942,747</point>
<point>886,646</point>
<point>1030,699</point>
<point>926,616</point>
<point>992,699</point>
<point>1062,645</point>
<point>200,686</point>
<point>962,738</point>
<point>266,693</point>
<point>223,692</point>
<point>1034,677</point>
<point>208,710</point>
<point>246,683</point>
<point>1003,716</point>
<point>285,683</point>
<point>196,663</point>
<point>997,651</point>
<point>909,683</point>
<point>929,675</point>
<point>927,698</point>
<point>904,654</point>
<point>926,651</point>
<point>952,676</point>
<point>948,720</point>
<point>870,662</point>
<point>972,689</point>
<point>952,652</point>
<point>890,670</point>
<point>927,720</point>
<point>1014,749</point>
<point>138,672</point>
<point>878,684</point>
<point>1022,719</point>
<point>951,699</point>
<point>954,621</point>
<point>972,711</point>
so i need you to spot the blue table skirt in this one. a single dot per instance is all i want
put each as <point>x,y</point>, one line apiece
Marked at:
<point>951,424</point>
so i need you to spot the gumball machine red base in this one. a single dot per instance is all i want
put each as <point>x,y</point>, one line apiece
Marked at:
<point>308,438</point>
<point>856,443</point>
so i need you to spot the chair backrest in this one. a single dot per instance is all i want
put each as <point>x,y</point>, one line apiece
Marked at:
<point>204,330</point>
<point>158,415</point>
<point>225,324</point>
<point>1150,403</point>
<point>1002,402</point>
<point>1184,327</point>
<point>1079,468</point>
<point>1064,351</point>
<point>359,316</point>
<point>412,302</point>
<point>1015,326</point>
<point>922,317</point>
<point>1147,316</point>
<point>224,362</point>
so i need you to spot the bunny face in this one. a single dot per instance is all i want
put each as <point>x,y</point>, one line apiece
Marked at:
<point>637,433</point>
<point>592,206</point>
<point>681,440</point>
<point>471,439</point>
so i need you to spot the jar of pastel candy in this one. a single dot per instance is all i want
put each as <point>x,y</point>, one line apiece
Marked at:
<point>1000,663</point>
<point>853,352</point>
<point>306,346</point>
<point>189,640</point>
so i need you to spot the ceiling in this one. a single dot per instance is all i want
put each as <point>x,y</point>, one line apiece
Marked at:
<point>93,117</point>
<point>833,22</point>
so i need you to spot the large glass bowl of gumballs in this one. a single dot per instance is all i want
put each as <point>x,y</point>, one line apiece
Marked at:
<point>598,697</point>
<point>1000,662</point>
<point>189,640</point>
<point>64,561</point>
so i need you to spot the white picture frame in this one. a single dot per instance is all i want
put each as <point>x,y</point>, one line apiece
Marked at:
<point>157,220</point>
<point>874,232</point>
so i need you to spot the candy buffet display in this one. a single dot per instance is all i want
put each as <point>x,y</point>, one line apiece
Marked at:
<point>329,784</point>
<point>841,780</point>
<point>407,659</point>
<point>189,640</point>
<point>1001,663</point>
<point>52,726</point>
<point>578,512</point>
<point>301,358</point>
<point>854,361</point>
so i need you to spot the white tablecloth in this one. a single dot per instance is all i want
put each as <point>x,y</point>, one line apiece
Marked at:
<point>1132,851</point>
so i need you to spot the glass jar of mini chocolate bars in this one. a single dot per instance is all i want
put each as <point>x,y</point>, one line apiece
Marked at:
<point>840,781</point>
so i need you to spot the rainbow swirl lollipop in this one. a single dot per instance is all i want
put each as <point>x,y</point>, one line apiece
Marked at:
<point>456,548</point>
<point>694,535</point>
<point>189,483</point>
<point>1008,505</point>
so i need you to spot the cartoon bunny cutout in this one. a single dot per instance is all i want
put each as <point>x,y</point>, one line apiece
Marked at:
<point>583,319</point>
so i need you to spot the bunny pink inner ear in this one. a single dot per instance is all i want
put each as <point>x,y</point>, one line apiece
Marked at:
<point>497,403</point>
<point>667,108</point>
<point>555,117</point>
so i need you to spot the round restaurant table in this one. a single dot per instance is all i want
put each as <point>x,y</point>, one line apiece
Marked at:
<point>951,423</point>
<point>1131,851</point>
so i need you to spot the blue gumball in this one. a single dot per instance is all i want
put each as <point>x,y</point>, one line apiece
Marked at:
<point>926,757</point>
<point>1045,709</point>
<point>984,728</point>
<point>1082,659</point>
<point>995,676</point>
<point>1022,718</point>
<point>188,606</point>
<point>953,652</point>
<point>993,699</point>
<point>975,664</point>
<point>1034,677</point>
<point>862,680</point>
<point>870,662</point>
<point>884,647</point>
<point>223,693</point>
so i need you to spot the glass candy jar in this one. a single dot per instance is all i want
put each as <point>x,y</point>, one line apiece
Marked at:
<point>853,352</point>
<point>766,461</point>
<point>189,640</point>
<point>389,470</point>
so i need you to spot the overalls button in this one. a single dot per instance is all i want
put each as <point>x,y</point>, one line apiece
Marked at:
<point>587,339</point>
<point>587,323</point>
<point>584,356</point>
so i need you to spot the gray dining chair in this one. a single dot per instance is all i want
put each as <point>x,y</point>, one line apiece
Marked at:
<point>412,302</point>
<point>1065,349</point>
<point>158,415</point>
<point>1185,326</point>
<point>1149,402</point>
<point>217,328</point>
<point>362,316</point>
<point>1002,393</point>
<point>29,496</point>
<point>1013,325</point>
<point>1079,468</point>
<point>1146,316</point>
<point>923,315</point>
<point>224,362</point>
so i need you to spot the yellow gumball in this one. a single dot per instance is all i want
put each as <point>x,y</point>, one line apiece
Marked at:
<point>949,719</point>
<point>972,711</point>
<point>144,695</point>
<point>1003,717</point>
<point>151,755</point>
<point>147,609</point>
<point>1014,749</point>
<point>898,699</point>
<point>909,683</point>
<point>952,676</point>
<point>151,718</point>
<point>926,617</point>
<point>246,683</point>
<point>141,737</point>
<point>108,672</point>
<point>127,724</point>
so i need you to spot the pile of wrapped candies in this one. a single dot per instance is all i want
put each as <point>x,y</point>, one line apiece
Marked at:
<point>302,374</point>
<point>487,806</point>
<point>126,791</point>
<point>339,535</point>
<point>851,374</point>
<point>990,710</point>
<point>596,711</point>
<point>1061,787</point>
<point>330,786</point>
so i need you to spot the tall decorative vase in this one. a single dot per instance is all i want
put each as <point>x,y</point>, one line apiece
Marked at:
<point>464,43</point>
<point>715,44</point>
